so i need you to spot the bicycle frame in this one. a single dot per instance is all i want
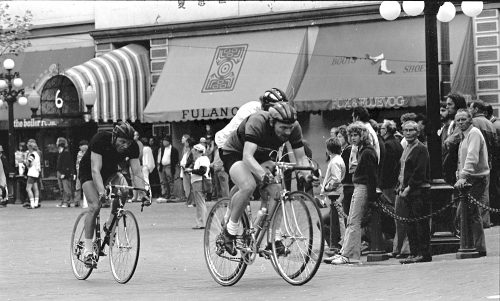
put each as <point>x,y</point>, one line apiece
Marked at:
<point>258,232</point>
<point>121,204</point>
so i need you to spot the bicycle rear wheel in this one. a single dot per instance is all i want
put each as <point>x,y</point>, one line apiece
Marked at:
<point>224,268</point>
<point>124,247</point>
<point>298,255</point>
<point>80,270</point>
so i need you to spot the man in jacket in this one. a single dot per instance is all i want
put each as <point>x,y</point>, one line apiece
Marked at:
<point>65,171</point>
<point>451,138</point>
<point>168,159</point>
<point>479,120</point>
<point>414,177</point>
<point>473,168</point>
<point>495,171</point>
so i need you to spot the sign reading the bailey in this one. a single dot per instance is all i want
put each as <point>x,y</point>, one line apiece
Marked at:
<point>225,68</point>
<point>209,113</point>
<point>35,123</point>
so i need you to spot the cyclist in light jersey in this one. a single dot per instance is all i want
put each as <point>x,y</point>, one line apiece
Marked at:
<point>270,97</point>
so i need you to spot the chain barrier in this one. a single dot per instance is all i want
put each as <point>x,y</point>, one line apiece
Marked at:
<point>390,211</point>
<point>340,210</point>
<point>471,199</point>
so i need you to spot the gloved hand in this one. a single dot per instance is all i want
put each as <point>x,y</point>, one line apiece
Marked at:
<point>267,179</point>
<point>146,201</point>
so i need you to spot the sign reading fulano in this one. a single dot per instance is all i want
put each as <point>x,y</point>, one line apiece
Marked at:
<point>225,68</point>
<point>370,102</point>
<point>34,123</point>
<point>212,113</point>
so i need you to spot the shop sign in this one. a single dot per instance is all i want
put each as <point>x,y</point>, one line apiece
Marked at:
<point>213,113</point>
<point>370,102</point>
<point>36,123</point>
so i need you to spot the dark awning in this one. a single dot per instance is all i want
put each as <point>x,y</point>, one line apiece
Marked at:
<point>35,68</point>
<point>208,77</point>
<point>375,65</point>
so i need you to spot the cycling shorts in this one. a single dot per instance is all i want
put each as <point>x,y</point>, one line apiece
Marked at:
<point>229,158</point>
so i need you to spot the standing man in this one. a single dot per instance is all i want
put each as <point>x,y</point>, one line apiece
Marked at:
<point>495,170</point>
<point>451,138</point>
<point>479,120</point>
<point>168,158</point>
<point>3,186</point>
<point>414,177</point>
<point>83,146</point>
<point>473,168</point>
<point>65,171</point>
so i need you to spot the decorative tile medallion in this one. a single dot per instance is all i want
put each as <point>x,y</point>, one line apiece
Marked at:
<point>225,68</point>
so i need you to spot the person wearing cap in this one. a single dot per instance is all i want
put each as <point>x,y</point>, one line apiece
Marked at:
<point>34,170</point>
<point>83,146</point>
<point>65,171</point>
<point>201,183</point>
<point>168,159</point>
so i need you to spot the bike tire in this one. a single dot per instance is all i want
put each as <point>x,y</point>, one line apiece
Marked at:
<point>302,237</point>
<point>124,247</point>
<point>80,270</point>
<point>225,271</point>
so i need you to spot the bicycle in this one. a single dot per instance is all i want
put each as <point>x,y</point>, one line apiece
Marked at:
<point>292,220</point>
<point>122,238</point>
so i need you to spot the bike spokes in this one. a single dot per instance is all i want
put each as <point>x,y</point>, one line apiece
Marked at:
<point>297,243</point>
<point>224,268</point>
<point>124,246</point>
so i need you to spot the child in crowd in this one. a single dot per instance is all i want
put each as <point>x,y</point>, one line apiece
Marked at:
<point>335,173</point>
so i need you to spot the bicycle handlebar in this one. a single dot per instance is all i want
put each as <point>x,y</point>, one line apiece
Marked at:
<point>293,166</point>
<point>143,200</point>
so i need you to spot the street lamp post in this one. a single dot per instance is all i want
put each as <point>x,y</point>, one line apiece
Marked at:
<point>10,81</point>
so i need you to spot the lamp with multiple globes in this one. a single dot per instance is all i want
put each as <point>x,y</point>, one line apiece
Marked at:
<point>390,10</point>
<point>11,92</point>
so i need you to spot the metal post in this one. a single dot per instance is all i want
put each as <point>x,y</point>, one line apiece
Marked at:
<point>377,250</point>
<point>432,87</point>
<point>466,248</point>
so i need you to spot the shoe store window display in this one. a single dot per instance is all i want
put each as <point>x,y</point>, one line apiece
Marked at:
<point>65,172</point>
<point>200,182</point>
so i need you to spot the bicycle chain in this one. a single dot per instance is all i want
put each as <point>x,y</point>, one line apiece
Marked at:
<point>485,207</point>
<point>389,211</point>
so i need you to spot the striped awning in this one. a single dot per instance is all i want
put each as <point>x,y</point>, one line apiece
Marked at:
<point>121,80</point>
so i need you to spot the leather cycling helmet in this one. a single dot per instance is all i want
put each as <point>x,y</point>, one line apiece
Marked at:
<point>283,112</point>
<point>271,96</point>
<point>123,130</point>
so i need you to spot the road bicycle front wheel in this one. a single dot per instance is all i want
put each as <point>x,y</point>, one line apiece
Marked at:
<point>76,249</point>
<point>224,268</point>
<point>124,246</point>
<point>298,244</point>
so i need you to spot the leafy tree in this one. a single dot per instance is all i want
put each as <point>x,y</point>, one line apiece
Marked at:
<point>14,31</point>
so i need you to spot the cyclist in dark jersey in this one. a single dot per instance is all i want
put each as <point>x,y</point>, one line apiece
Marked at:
<point>99,166</point>
<point>246,154</point>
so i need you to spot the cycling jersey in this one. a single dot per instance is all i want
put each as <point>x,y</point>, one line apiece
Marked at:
<point>243,112</point>
<point>257,129</point>
<point>101,144</point>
